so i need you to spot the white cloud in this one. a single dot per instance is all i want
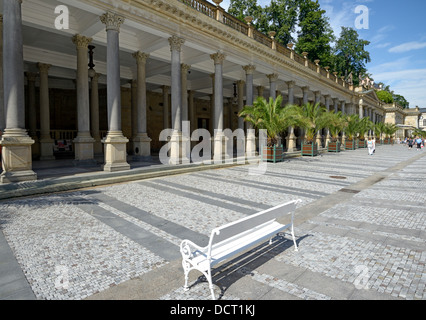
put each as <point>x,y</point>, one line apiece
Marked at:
<point>408,46</point>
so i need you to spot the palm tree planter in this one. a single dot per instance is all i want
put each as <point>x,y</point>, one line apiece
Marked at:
<point>273,154</point>
<point>309,149</point>
<point>333,146</point>
<point>350,144</point>
<point>361,143</point>
<point>388,141</point>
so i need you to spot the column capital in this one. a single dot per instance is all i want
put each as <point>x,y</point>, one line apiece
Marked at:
<point>81,41</point>
<point>290,84</point>
<point>272,77</point>
<point>218,57</point>
<point>112,21</point>
<point>43,67</point>
<point>140,57</point>
<point>249,69</point>
<point>185,67</point>
<point>240,82</point>
<point>176,43</point>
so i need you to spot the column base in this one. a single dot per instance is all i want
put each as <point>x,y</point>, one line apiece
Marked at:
<point>251,145</point>
<point>142,147</point>
<point>46,149</point>
<point>16,156</point>
<point>115,152</point>
<point>84,154</point>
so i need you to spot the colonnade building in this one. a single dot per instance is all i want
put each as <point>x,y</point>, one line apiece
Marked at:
<point>105,77</point>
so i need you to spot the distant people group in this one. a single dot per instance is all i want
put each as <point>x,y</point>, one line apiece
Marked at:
<point>417,141</point>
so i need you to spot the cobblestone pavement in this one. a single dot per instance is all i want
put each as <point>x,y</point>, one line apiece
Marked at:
<point>121,241</point>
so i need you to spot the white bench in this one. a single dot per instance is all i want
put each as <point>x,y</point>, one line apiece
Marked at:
<point>229,240</point>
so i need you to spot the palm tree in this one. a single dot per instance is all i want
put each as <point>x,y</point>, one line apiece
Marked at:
<point>313,119</point>
<point>271,116</point>
<point>379,128</point>
<point>336,122</point>
<point>389,130</point>
<point>352,127</point>
<point>365,124</point>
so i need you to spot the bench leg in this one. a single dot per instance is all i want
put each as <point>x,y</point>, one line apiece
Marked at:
<point>294,239</point>
<point>186,269</point>
<point>209,279</point>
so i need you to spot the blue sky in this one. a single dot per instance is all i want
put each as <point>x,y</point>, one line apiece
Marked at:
<point>397,32</point>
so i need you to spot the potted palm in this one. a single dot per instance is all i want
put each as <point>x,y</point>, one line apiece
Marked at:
<point>364,126</point>
<point>275,119</point>
<point>379,129</point>
<point>335,123</point>
<point>389,131</point>
<point>351,130</point>
<point>312,119</point>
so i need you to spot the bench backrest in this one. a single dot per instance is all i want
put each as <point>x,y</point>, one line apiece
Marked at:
<point>234,228</point>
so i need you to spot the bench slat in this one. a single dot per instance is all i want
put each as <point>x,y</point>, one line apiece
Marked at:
<point>234,228</point>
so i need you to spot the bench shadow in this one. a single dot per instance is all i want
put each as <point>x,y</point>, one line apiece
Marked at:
<point>226,274</point>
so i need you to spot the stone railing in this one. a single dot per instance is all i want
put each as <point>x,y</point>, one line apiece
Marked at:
<point>219,14</point>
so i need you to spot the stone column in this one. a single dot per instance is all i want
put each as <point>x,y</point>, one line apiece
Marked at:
<point>2,111</point>
<point>32,114</point>
<point>184,73</point>
<point>291,138</point>
<point>94,115</point>
<point>327,107</point>
<point>219,143</point>
<point>317,95</point>
<point>141,142</point>
<point>343,107</point>
<point>115,142</point>
<point>84,153</point>
<point>211,127</point>
<point>15,142</point>
<point>305,91</point>
<point>176,88</point>
<point>46,142</point>
<point>260,90</point>
<point>240,90</point>
<point>336,105</point>
<point>273,85</point>
<point>251,136</point>
<point>166,113</point>
<point>361,108</point>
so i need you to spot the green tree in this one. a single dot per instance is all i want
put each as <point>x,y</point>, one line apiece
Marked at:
<point>243,8</point>
<point>385,96</point>
<point>282,18</point>
<point>351,55</point>
<point>401,101</point>
<point>315,35</point>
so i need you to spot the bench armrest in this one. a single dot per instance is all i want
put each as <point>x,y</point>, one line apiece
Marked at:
<point>188,248</point>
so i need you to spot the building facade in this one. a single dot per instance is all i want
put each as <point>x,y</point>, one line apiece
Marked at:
<point>106,77</point>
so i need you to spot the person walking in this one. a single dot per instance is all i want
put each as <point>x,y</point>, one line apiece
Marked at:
<point>419,143</point>
<point>410,143</point>
<point>370,146</point>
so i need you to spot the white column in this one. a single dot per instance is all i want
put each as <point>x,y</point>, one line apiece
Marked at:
<point>291,138</point>
<point>273,85</point>
<point>141,142</point>
<point>84,153</point>
<point>32,114</point>
<point>219,144</point>
<point>361,108</point>
<point>46,142</point>
<point>251,136</point>
<point>240,90</point>
<point>176,88</point>
<point>16,144</point>
<point>115,142</point>
<point>2,111</point>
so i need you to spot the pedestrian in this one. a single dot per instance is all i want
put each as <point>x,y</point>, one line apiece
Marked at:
<point>419,143</point>
<point>370,146</point>
<point>410,143</point>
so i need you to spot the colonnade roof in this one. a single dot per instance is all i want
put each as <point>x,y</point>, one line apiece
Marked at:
<point>148,25</point>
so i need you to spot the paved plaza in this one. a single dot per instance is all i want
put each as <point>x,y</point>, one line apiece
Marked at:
<point>361,232</point>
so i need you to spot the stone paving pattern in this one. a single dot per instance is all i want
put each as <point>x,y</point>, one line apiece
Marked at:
<point>83,244</point>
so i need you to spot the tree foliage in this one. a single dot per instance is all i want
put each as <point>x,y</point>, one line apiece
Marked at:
<point>315,34</point>
<point>350,54</point>
<point>385,96</point>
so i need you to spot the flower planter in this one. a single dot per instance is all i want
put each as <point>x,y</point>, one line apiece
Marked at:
<point>350,145</point>
<point>273,154</point>
<point>362,144</point>
<point>310,149</point>
<point>333,146</point>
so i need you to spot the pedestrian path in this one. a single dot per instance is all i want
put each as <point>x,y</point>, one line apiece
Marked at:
<point>360,228</point>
